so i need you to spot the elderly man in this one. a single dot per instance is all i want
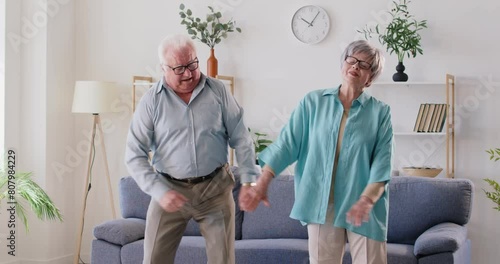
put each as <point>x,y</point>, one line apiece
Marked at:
<point>187,120</point>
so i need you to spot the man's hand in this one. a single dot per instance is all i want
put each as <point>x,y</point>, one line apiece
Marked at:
<point>172,201</point>
<point>360,211</point>
<point>248,198</point>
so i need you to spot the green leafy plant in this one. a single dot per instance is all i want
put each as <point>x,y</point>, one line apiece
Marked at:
<point>210,30</point>
<point>260,141</point>
<point>401,35</point>
<point>494,195</point>
<point>27,192</point>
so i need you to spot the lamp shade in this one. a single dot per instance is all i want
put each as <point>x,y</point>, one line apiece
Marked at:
<point>94,97</point>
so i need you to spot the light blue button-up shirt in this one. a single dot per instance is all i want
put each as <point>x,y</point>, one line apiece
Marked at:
<point>310,138</point>
<point>187,140</point>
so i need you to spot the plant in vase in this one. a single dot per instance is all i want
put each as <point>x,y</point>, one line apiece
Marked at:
<point>260,142</point>
<point>495,194</point>
<point>19,189</point>
<point>210,31</point>
<point>400,36</point>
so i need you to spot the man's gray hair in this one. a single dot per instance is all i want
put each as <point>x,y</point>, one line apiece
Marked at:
<point>374,55</point>
<point>174,42</point>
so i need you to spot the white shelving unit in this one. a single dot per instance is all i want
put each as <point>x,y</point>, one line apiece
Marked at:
<point>419,134</point>
<point>405,99</point>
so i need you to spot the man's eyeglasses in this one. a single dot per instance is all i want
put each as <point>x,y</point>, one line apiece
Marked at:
<point>181,69</point>
<point>362,64</point>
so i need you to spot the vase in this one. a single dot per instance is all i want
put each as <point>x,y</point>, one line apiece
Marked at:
<point>400,76</point>
<point>212,67</point>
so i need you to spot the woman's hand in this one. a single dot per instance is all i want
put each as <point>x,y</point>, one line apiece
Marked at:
<point>251,196</point>
<point>360,211</point>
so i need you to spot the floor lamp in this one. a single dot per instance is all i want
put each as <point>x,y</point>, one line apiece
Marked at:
<point>94,97</point>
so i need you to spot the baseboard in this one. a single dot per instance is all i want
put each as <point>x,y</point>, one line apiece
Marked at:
<point>59,260</point>
<point>11,262</point>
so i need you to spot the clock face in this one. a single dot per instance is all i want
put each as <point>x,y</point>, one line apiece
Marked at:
<point>310,24</point>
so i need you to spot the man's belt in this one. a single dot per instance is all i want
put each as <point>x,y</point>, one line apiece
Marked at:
<point>194,180</point>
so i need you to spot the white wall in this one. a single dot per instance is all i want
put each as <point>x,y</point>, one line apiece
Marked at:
<point>114,40</point>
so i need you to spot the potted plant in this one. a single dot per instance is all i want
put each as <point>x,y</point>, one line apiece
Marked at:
<point>210,31</point>
<point>400,36</point>
<point>495,194</point>
<point>20,189</point>
<point>260,142</point>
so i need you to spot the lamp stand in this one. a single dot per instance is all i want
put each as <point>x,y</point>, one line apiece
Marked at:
<point>97,123</point>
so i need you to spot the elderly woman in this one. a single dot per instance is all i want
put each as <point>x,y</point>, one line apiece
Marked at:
<point>341,139</point>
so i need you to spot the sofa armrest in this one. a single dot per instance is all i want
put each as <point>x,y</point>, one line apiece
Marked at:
<point>444,237</point>
<point>121,231</point>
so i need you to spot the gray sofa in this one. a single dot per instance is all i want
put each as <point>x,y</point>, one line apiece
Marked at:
<point>427,224</point>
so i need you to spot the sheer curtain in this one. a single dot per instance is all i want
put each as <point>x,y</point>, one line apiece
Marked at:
<point>2,74</point>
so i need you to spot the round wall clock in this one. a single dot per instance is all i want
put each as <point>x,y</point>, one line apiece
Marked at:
<point>310,24</point>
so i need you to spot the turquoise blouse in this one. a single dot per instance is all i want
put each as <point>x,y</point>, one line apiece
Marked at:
<point>310,139</point>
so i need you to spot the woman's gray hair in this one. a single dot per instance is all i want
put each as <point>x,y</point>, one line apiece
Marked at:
<point>174,42</point>
<point>374,55</point>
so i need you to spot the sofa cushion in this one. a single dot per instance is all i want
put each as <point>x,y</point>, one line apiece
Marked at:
<point>121,231</point>
<point>289,251</point>
<point>445,237</point>
<point>417,204</point>
<point>191,250</point>
<point>134,202</point>
<point>105,253</point>
<point>400,253</point>
<point>274,221</point>
<point>192,229</point>
<point>132,253</point>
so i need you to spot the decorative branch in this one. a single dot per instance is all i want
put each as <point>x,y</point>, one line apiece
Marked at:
<point>210,31</point>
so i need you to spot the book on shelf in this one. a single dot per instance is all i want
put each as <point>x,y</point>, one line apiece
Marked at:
<point>442,118</point>
<point>419,117</point>
<point>439,109</point>
<point>435,116</point>
<point>424,117</point>
<point>430,118</point>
